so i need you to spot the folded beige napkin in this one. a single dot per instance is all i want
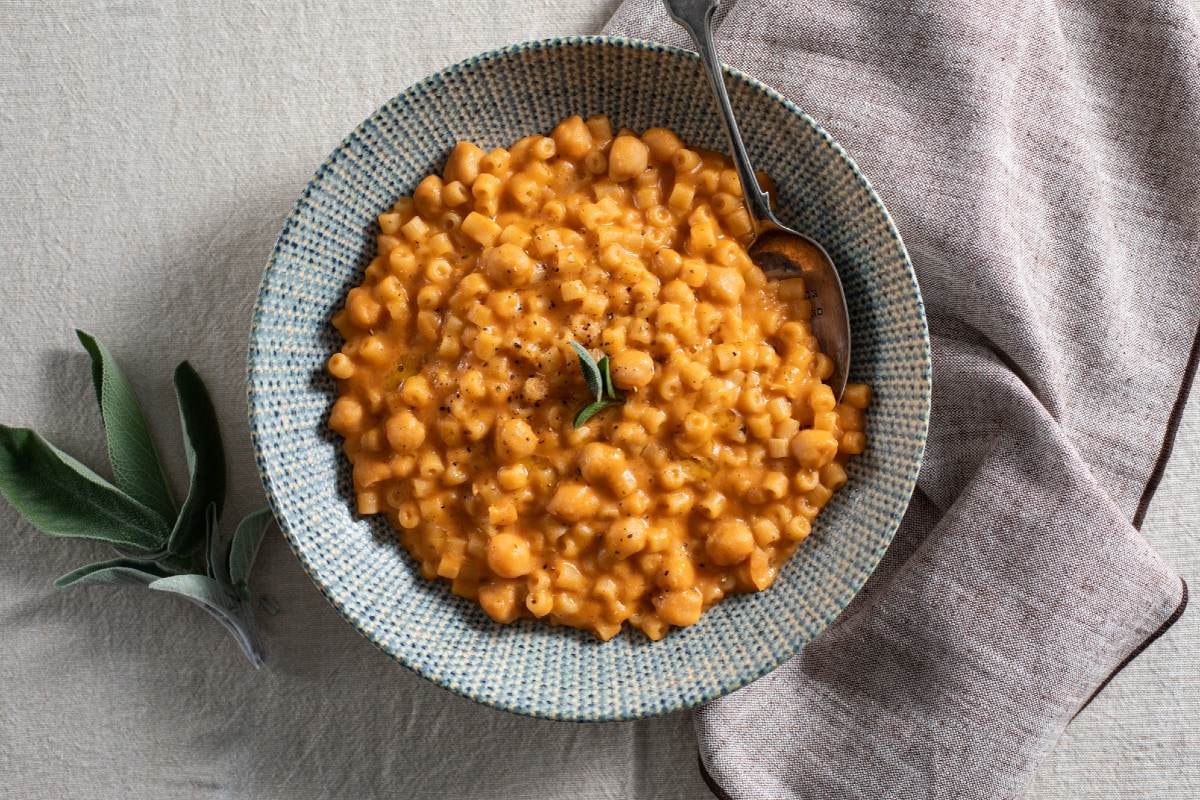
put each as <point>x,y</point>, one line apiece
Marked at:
<point>1041,161</point>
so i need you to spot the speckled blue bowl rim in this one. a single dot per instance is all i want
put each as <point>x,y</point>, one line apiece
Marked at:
<point>802,638</point>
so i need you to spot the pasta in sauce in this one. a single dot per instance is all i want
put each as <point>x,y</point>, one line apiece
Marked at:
<point>458,386</point>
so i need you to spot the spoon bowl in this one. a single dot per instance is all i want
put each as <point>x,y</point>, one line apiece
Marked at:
<point>777,249</point>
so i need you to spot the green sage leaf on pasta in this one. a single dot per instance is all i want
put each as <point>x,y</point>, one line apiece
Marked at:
<point>243,549</point>
<point>205,459</point>
<point>62,497</point>
<point>127,571</point>
<point>600,383</point>
<point>137,469</point>
<point>592,409</point>
<point>610,391</point>
<point>591,372</point>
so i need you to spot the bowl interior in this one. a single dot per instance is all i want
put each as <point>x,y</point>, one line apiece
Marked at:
<point>322,252</point>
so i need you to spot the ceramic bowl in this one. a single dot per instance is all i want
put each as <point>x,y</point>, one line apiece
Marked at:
<point>325,245</point>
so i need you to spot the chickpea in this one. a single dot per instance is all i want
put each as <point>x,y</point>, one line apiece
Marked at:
<point>415,391</point>
<point>857,395</point>
<point>677,292</point>
<point>680,608</point>
<point>507,265</point>
<point>513,477</point>
<point>502,512</point>
<point>627,159</point>
<point>624,483</point>
<point>626,537</point>
<point>632,369</point>
<point>600,462</point>
<point>372,349</point>
<point>730,542</point>
<point>662,143</point>
<point>814,449</point>
<point>510,556</point>
<point>364,310</point>
<point>853,442</point>
<point>572,138</point>
<point>574,502</point>
<point>499,601</point>
<point>676,572</point>
<point>405,433</point>
<point>346,416</point>
<point>725,286</point>
<point>515,440</point>
<point>463,163</point>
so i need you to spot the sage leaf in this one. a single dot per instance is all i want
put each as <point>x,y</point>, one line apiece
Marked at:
<point>222,606</point>
<point>62,497</point>
<point>201,590</point>
<point>592,409</point>
<point>115,571</point>
<point>205,460</point>
<point>243,549</point>
<point>218,569</point>
<point>137,469</point>
<point>591,372</point>
<point>610,391</point>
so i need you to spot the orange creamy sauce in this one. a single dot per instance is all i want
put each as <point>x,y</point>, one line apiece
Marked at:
<point>458,386</point>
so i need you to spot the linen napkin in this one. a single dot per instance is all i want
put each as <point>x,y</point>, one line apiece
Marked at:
<point>1041,162</point>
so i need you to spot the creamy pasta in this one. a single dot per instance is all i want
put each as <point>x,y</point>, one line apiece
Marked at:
<point>458,385</point>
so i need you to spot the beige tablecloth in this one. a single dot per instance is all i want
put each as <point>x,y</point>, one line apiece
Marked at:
<point>149,155</point>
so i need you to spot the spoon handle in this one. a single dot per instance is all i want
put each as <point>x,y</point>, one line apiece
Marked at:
<point>695,16</point>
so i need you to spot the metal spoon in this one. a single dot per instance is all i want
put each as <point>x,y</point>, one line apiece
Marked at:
<point>779,251</point>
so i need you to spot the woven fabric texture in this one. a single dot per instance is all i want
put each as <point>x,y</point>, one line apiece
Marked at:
<point>1037,158</point>
<point>150,154</point>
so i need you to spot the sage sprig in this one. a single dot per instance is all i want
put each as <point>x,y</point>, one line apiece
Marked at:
<point>158,544</point>
<point>598,376</point>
